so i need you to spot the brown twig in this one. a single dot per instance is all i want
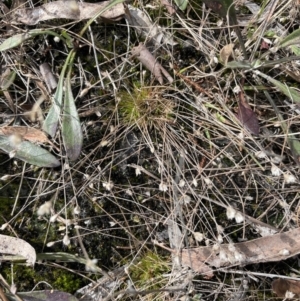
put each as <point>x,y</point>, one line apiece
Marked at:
<point>191,83</point>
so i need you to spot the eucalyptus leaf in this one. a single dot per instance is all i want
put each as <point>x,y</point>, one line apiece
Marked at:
<point>71,128</point>
<point>289,92</point>
<point>28,152</point>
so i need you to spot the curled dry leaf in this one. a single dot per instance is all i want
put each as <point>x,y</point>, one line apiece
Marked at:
<point>149,61</point>
<point>48,76</point>
<point>225,53</point>
<point>16,246</point>
<point>65,10</point>
<point>280,286</point>
<point>25,133</point>
<point>247,117</point>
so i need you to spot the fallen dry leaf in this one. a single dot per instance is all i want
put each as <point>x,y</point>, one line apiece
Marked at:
<point>280,286</point>
<point>16,246</point>
<point>25,133</point>
<point>150,62</point>
<point>265,249</point>
<point>247,117</point>
<point>225,53</point>
<point>65,10</point>
<point>48,76</point>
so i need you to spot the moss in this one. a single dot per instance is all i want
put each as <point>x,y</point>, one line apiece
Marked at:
<point>148,272</point>
<point>144,107</point>
<point>26,277</point>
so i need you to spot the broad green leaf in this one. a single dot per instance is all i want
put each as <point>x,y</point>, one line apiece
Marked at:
<point>7,78</point>
<point>291,39</point>
<point>14,41</point>
<point>71,128</point>
<point>289,92</point>
<point>295,148</point>
<point>28,152</point>
<point>238,65</point>
<point>51,121</point>
<point>182,4</point>
<point>296,50</point>
<point>18,39</point>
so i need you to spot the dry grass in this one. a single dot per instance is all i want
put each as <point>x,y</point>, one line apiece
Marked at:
<point>154,156</point>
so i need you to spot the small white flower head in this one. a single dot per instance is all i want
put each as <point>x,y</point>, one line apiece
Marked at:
<point>276,159</point>
<point>199,236</point>
<point>239,218</point>
<point>284,252</point>
<point>239,256</point>
<point>231,247</point>
<point>249,198</point>
<point>91,185</point>
<point>88,222</point>
<point>163,187</point>
<point>208,182</point>
<point>223,256</point>
<point>53,218</point>
<point>236,89</point>
<point>230,212</point>
<point>289,295</point>
<point>186,199</point>
<point>50,244</point>
<point>5,178</point>
<point>138,171</point>
<point>129,192</point>
<point>260,155</point>
<point>241,136</point>
<point>45,209</point>
<point>77,210</point>
<point>108,185</point>
<point>195,182</point>
<point>66,240</point>
<point>104,143</point>
<point>216,247</point>
<point>3,227</point>
<point>91,266</point>
<point>289,178</point>
<point>56,39</point>
<point>112,224</point>
<point>220,229</point>
<point>220,23</point>
<point>220,238</point>
<point>181,183</point>
<point>86,176</point>
<point>275,170</point>
<point>12,153</point>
